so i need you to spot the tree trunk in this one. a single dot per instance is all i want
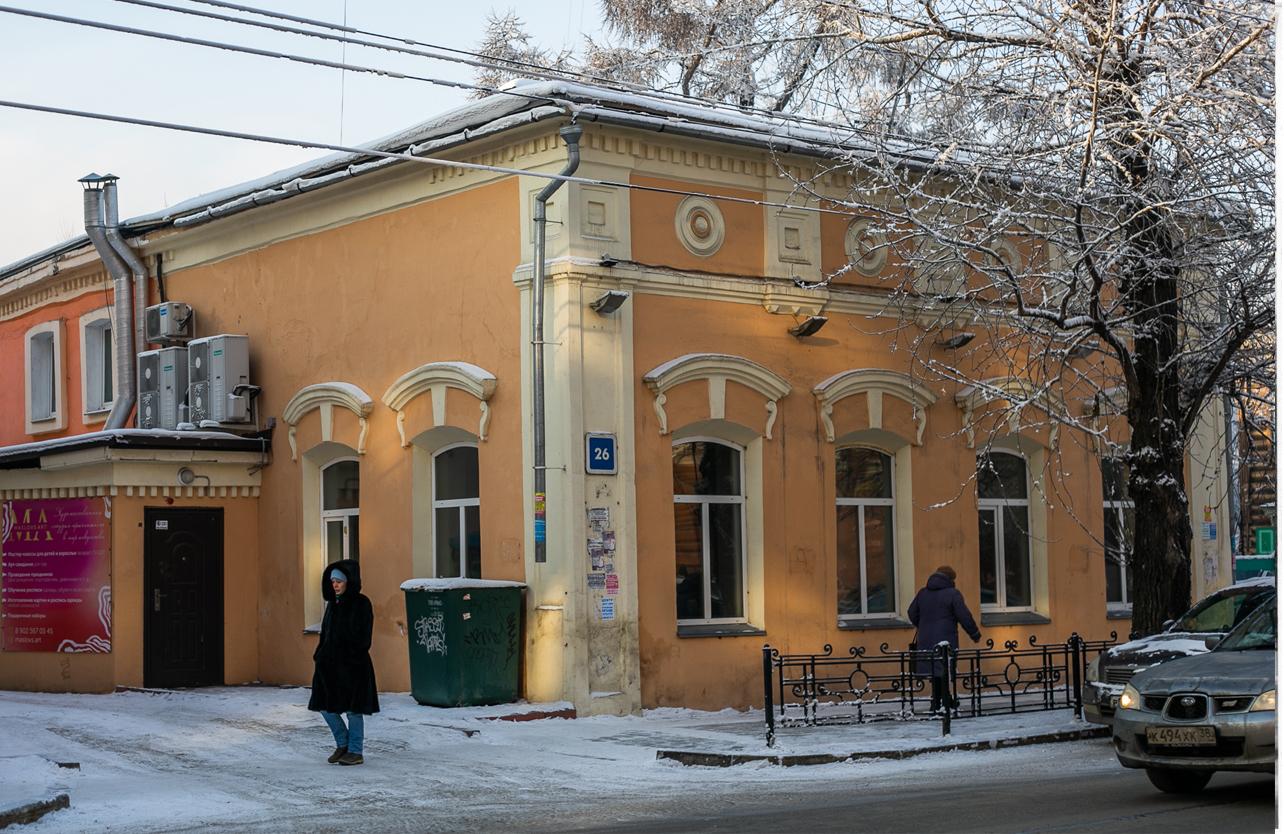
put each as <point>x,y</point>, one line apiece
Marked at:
<point>1157,457</point>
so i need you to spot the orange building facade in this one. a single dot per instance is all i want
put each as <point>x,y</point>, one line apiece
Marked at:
<point>767,488</point>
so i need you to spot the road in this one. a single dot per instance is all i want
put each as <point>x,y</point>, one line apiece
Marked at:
<point>1075,787</point>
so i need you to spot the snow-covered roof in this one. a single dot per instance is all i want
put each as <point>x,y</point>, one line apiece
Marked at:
<point>136,438</point>
<point>524,104</point>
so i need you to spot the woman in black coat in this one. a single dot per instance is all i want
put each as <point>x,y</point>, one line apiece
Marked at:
<point>937,611</point>
<point>344,679</point>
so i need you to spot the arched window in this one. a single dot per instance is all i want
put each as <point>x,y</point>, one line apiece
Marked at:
<point>866,557</point>
<point>1118,511</point>
<point>456,508</point>
<point>1004,508</point>
<point>709,530</point>
<point>340,503</point>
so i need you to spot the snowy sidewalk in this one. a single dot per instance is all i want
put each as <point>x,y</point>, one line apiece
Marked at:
<point>255,756</point>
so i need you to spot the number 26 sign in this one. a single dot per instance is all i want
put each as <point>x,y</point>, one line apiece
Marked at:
<point>599,453</point>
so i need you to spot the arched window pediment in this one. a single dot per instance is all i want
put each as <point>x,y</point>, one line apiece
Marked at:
<point>716,369</point>
<point>875,383</point>
<point>435,378</point>
<point>1017,393</point>
<point>326,395</point>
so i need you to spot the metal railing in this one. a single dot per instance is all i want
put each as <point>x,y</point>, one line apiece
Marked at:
<point>860,687</point>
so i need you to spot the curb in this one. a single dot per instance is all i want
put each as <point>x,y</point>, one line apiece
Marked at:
<point>24,814</point>
<point>731,759</point>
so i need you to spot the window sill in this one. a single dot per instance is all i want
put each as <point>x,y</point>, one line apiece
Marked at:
<point>869,623</point>
<point>721,630</point>
<point>1118,613</point>
<point>998,618</point>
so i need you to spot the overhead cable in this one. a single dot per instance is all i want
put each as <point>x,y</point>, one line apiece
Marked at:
<point>411,157</point>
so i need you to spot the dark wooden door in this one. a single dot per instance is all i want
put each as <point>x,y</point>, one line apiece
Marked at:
<point>182,597</point>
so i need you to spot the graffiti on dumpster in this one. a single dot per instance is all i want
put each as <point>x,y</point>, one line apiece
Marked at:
<point>430,632</point>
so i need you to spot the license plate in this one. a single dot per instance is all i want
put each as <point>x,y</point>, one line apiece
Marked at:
<point>1182,736</point>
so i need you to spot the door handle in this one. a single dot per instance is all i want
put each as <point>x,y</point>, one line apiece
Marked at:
<point>156,598</point>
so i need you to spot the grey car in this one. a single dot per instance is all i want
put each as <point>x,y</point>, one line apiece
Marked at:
<point>1185,719</point>
<point>1212,616</point>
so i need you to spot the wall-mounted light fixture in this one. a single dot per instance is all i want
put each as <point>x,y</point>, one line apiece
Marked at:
<point>608,260</point>
<point>187,477</point>
<point>608,302</point>
<point>809,326</point>
<point>956,341</point>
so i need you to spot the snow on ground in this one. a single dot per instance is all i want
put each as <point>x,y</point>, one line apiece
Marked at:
<point>254,757</point>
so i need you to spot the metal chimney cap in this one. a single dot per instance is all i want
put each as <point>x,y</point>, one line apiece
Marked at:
<point>94,180</point>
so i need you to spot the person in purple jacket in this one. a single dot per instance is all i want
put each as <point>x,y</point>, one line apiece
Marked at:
<point>937,612</point>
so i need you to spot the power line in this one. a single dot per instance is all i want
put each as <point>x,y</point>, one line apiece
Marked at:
<point>487,61</point>
<point>321,62</point>
<point>408,156</point>
<point>264,53</point>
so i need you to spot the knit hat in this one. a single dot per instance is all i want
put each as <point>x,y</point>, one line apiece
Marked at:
<point>338,575</point>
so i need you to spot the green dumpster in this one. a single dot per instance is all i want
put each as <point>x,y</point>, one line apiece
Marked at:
<point>465,641</point>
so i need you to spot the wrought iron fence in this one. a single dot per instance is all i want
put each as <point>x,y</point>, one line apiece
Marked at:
<point>861,687</point>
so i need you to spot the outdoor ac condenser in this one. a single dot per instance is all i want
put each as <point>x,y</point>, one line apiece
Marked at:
<point>170,323</point>
<point>216,366</point>
<point>162,387</point>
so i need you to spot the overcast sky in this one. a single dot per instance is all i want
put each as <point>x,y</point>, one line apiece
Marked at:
<point>68,66</point>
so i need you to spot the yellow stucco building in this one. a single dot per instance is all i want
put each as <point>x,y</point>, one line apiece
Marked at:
<point>767,488</point>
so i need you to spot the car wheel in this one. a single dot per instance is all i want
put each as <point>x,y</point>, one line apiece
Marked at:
<point>1178,781</point>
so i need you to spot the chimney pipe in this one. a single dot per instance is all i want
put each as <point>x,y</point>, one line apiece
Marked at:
<point>126,253</point>
<point>123,401</point>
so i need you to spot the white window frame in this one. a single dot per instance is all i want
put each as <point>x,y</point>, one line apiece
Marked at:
<point>996,505</point>
<point>706,500</point>
<point>57,420</point>
<point>463,504</point>
<point>861,503</point>
<point>332,515</point>
<point>1119,508</point>
<point>95,409</point>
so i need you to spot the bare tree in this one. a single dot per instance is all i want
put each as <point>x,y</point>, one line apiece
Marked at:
<point>1089,183</point>
<point>508,45</point>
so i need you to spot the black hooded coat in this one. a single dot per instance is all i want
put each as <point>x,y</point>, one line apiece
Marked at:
<point>344,679</point>
<point>937,611</point>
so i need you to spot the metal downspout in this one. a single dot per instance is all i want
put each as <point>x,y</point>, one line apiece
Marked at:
<point>123,401</point>
<point>571,135</point>
<point>131,259</point>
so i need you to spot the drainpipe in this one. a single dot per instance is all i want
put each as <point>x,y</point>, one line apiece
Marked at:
<point>571,135</point>
<point>131,259</point>
<point>95,228</point>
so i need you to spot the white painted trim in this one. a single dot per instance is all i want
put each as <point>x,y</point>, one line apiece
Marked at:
<point>715,369</point>
<point>742,501</point>
<point>873,382</point>
<point>461,503</point>
<point>1011,390</point>
<point>57,421</point>
<point>434,378</point>
<point>89,321</point>
<point>325,395</point>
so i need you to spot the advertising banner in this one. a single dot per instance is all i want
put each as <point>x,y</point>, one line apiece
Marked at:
<point>55,575</point>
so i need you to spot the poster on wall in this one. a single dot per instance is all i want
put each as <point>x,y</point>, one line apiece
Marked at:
<point>55,575</point>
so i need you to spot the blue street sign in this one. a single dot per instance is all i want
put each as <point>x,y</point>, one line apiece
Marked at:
<point>599,453</point>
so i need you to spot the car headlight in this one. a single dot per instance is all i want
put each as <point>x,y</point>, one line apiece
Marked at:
<point>1094,669</point>
<point>1264,702</point>
<point>1130,699</point>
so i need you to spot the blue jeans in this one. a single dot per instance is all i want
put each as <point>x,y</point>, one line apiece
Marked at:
<point>352,735</point>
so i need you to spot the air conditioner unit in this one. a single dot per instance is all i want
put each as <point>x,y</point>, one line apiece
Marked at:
<point>162,387</point>
<point>217,367</point>
<point>170,323</point>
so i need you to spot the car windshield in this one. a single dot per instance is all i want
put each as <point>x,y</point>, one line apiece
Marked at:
<point>1224,610</point>
<point>1256,632</point>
